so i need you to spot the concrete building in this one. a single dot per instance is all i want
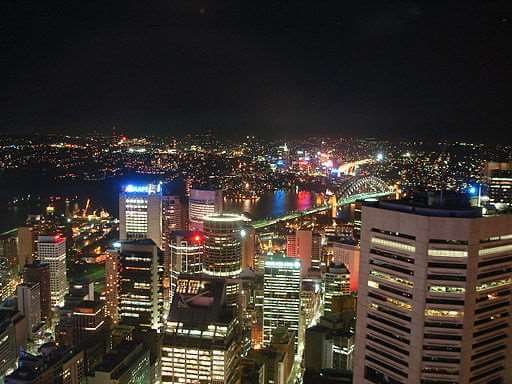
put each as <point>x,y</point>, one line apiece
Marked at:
<point>140,213</point>
<point>52,251</point>
<point>435,293</point>
<point>201,203</point>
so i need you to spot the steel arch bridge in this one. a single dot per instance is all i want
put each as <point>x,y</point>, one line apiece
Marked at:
<point>362,185</point>
<point>356,188</point>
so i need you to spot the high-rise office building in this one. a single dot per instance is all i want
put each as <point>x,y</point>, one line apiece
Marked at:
<point>29,304</point>
<point>39,273</point>
<point>112,285</point>
<point>186,250</point>
<point>434,295</point>
<point>222,250</point>
<point>140,284</point>
<point>140,213</point>
<point>336,281</point>
<point>202,339</point>
<point>281,295</point>
<point>201,203</point>
<point>52,251</point>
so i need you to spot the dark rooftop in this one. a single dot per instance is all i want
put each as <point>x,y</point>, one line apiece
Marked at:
<point>435,204</point>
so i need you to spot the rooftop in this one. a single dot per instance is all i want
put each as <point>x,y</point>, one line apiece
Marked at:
<point>199,300</point>
<point>434,204</point>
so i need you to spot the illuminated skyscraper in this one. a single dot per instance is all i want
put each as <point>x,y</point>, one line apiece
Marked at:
<point>140,213</point>
<point>52,251</point>
<point>202,338</point>
<point>222,250</point>
<point>112,284</point>
<point>281,295</point>
<point>140,288</point>
<point>434,295</point>
<point>336,281</point>
<point>203,202</point>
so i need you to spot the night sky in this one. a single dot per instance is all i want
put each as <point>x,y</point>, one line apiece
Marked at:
<point>390,69</point>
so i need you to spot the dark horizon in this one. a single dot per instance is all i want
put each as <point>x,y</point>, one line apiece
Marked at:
<point>400,70</point>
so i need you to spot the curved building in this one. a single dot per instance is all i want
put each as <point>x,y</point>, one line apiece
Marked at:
<point>223,249</point>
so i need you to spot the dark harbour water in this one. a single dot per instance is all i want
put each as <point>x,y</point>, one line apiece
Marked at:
<point>104,194</point>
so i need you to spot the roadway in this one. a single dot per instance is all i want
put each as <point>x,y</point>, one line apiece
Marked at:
<point>296,214</point>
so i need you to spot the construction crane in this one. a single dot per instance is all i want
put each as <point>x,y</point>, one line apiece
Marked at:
<point>84,214</point>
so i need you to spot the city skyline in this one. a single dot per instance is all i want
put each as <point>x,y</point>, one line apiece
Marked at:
<point>237,192</point>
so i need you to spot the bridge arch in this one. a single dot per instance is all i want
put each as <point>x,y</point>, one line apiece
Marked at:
<point>362,185</point>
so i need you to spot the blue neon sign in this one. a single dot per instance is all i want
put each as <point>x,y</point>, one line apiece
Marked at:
<point>149,188</point>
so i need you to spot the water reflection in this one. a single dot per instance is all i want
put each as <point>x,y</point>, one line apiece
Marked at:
<point>276,203</point>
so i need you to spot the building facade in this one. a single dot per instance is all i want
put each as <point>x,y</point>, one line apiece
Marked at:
<point>29,303</point>
<point>281,295</point>
<point>39,273</point>
<point>222,250</point>
<point>201,342</point>
<point>201,203</point>
<point>52,251</point>
<point>140,213</point>
<point>434,296</point>
<point>140,284</point>
<point>336,281</point>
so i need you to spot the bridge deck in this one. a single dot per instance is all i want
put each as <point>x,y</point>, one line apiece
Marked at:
<point>296,214</point>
